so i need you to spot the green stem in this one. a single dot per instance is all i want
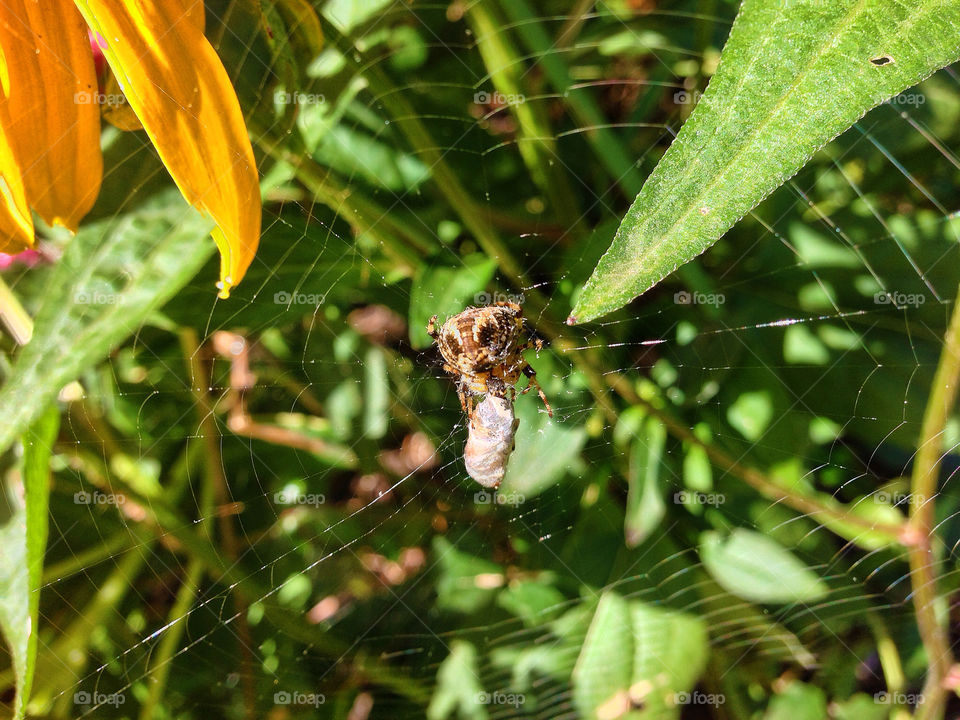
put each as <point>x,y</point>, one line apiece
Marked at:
<point>162,660</point>
<point>400,240</point>
<point>216,492</point>
<point>766,486</point>
<point>926,471</point>
<point>890,663</point>
<point>535,140</point>
<point>119,542</point>
<point>614,156</point>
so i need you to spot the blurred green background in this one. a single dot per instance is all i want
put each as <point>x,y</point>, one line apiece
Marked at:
<point>259,506</point>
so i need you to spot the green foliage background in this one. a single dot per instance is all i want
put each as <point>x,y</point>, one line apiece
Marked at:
<point>708,527</point>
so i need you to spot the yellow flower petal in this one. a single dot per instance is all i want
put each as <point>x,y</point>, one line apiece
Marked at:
<point>16,223</point>
<point>177,86</point>
<point>52,121</point>
<point>116,110</point>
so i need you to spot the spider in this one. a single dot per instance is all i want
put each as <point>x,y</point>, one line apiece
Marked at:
<point>483,347</point>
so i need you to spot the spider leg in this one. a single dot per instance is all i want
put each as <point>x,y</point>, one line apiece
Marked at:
<point>466,399</point>
<point>532,374</point>
<point>432,327</point>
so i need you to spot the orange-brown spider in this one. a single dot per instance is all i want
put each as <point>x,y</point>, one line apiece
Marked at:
<point>483,347</point>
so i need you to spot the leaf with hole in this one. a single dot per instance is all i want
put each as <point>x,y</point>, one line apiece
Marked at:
<point>791,78</point>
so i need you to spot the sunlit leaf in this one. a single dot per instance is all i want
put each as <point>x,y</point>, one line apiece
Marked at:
<point>638,661</point>
<point>459,693</point>
<point>671,650</point>
<point>604,669</point>
<point>792,77</point>
<point>112,274</point>
<point>466,583</point>
<point>798,701</point>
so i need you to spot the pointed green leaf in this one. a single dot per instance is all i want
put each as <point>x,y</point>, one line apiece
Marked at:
<point>22,542</point>
<point>645,504</point>
<point>792,77</point>
<point>757,568</point>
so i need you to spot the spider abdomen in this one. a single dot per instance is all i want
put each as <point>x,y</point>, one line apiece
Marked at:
<point>479,339</point>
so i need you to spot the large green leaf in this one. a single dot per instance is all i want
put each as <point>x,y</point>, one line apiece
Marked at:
<point>22,542</point>
<point>601,677</point>
<point>791,77</point>
<point>639,661</point>
<point>111,276</point>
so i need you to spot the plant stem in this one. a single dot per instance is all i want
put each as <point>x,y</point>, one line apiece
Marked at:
<point>162,662</point>
<point>535,140</point>
<point>614,156</point>
<point>893,674</point>
<point>926,471</point>
<point>217,491</point>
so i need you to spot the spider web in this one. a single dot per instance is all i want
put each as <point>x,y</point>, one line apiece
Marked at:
<point>805,345</point>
